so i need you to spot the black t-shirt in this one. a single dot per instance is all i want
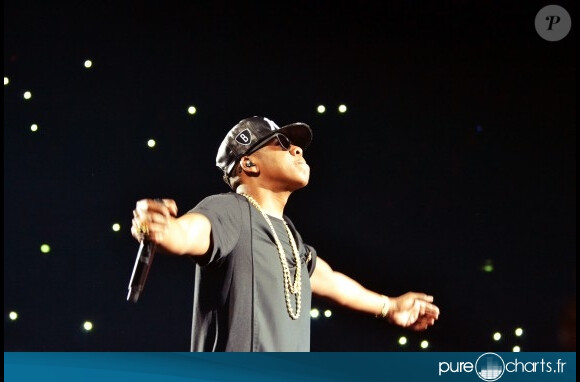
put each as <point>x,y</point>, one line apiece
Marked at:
<point>239,300</point>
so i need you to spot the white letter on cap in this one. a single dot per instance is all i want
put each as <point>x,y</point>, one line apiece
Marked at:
<point>272,124</point>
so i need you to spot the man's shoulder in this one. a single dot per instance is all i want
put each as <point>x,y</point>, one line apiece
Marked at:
<point>223,197</point>
<point>222,201</point>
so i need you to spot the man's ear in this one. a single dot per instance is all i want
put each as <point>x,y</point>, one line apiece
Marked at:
<point>248,165</point>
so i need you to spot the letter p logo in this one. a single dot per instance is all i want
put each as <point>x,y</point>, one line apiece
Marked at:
<point>552,20</point>
<point>553,23</point>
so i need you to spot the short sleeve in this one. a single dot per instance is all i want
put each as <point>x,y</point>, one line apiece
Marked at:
<point>311,257</point>
<point>225,216</point>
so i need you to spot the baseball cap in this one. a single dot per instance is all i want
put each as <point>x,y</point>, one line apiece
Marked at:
<point>249,133</point>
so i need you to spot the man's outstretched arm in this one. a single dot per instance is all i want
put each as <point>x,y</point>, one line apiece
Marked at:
<point>413,310</point>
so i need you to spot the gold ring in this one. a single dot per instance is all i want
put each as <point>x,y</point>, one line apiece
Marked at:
<point>143,230</point>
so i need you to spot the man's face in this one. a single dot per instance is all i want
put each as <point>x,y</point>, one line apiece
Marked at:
<point>282,165</point>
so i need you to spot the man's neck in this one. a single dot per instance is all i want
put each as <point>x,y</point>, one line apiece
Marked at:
<point>272,203</point>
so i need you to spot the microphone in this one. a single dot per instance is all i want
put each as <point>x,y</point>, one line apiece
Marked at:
<point>141,268</point>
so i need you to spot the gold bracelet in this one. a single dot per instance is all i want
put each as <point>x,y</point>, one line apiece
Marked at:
<point>385,309</point>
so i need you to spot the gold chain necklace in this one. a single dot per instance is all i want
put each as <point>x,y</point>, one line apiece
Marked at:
<point>289,288</point>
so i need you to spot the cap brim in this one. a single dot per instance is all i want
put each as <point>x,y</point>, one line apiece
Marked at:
<point>300,134</point>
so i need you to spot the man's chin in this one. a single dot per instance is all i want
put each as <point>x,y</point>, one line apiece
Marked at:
<point>299,185</point>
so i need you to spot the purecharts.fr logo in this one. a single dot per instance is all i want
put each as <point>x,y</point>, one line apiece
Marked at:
<point>490,367</point>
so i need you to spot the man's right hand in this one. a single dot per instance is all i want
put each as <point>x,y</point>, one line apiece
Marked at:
<point>151,217</point>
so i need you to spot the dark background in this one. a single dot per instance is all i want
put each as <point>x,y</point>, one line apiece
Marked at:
<point>458,149</point>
